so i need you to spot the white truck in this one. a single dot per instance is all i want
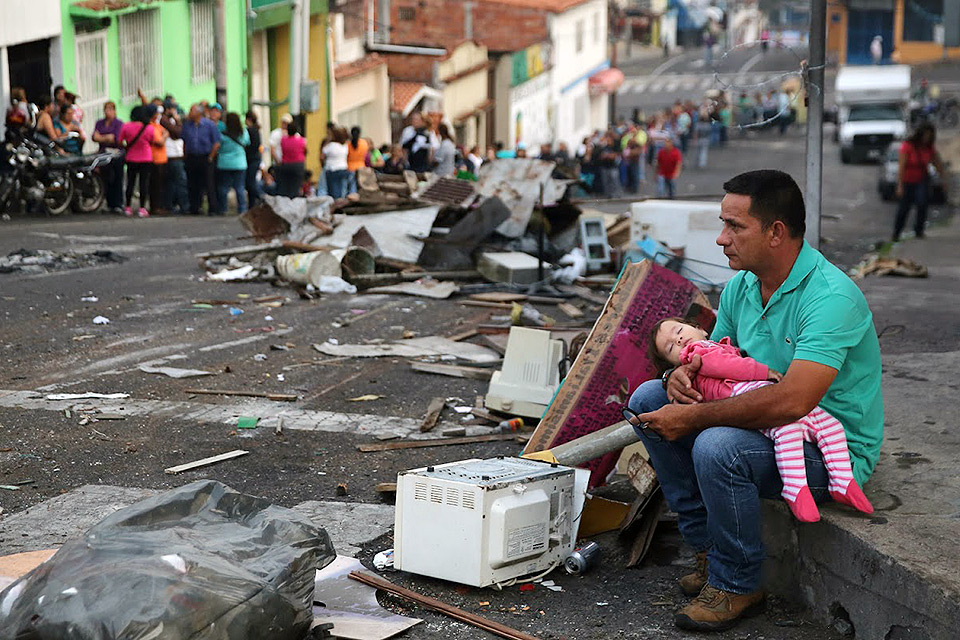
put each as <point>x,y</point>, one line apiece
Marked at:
<point>871,110</point>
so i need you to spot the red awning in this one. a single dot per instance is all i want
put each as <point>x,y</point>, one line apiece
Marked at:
<point>606,81</point>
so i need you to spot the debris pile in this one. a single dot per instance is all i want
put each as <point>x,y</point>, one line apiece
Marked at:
<point>43,260</point>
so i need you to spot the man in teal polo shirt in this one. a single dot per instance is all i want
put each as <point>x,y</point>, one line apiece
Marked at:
<point>792,310</point>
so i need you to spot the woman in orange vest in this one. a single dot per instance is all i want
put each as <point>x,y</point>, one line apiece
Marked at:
<point>357,149</point>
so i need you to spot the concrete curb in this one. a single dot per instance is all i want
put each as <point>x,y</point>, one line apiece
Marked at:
<point>839,572</point>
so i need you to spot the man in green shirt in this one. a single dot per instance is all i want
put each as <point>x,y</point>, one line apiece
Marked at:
<point>792,310</point>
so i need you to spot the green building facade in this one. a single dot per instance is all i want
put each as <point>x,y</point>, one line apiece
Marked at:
<point>110,50</point>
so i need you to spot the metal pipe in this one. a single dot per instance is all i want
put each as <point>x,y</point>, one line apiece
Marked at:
<point>305,42</point>
<point>593,445</point>
<point>815,80</point>
<point>296,60</point>
<point>402,48</point>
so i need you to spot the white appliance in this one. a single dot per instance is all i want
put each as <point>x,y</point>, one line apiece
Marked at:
<point>483,522</point>
<point>530,375</point>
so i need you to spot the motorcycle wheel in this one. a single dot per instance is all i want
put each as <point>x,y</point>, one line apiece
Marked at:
<point>89,194</point>
<point>59,193</point>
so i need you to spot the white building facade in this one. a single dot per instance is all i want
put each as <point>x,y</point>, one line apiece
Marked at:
<point>579,40</point>
<point>30,54</point>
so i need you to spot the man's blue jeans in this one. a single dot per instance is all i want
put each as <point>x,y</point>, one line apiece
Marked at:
<point>714,480</point>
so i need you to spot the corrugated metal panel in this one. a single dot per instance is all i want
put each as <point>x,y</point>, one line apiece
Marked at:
<point>140,53</point>
<point>202,44</point>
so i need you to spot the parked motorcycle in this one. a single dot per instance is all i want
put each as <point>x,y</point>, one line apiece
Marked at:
<point>33,177</point>
<point>89,186</point>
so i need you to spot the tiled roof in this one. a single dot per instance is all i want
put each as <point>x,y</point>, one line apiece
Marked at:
<point>403,93</point>
<point>553,6</point>
<point>357,67</point>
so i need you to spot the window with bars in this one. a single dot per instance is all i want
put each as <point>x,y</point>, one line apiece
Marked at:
<point>407,13</point>
<point>139,53</point>
<point>202,50</point>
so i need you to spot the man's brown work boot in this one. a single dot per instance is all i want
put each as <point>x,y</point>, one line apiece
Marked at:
<point>716,610</point>
<point>692,583</point>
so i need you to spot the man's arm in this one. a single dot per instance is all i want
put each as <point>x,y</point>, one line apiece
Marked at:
<point>802,389</point>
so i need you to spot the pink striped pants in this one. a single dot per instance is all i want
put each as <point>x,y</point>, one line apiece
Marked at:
<point>818,427</point>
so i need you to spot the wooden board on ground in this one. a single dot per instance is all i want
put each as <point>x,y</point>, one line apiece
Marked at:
<point>236,453</point>
<point>644,527</point>
<point>433,414</point>
<point>570,310</point>
<point>473,373</point>
<point>18,565</point>
<point>421,444</point>
<point>614,362</point>
<point>499,296</point>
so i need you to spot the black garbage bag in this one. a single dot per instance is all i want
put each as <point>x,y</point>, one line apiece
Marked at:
<point>202,562</point>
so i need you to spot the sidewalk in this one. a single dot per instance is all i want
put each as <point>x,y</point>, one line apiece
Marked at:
<point>895,574</point>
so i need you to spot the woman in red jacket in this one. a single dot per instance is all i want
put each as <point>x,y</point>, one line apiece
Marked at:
<point>917,153</point>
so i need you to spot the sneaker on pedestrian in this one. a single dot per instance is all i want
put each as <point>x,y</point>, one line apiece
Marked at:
<point>127,211</point>
<point>143,213</point>
<point>693,583</point>
<point>717,610</point>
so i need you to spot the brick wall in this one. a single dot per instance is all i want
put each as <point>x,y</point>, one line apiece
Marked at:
<point>412,68</point>
<point>440,23</point>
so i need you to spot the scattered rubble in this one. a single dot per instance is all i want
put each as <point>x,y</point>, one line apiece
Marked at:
<point>43,260</point>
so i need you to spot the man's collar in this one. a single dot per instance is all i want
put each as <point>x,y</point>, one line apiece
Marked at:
<point>802,266</point>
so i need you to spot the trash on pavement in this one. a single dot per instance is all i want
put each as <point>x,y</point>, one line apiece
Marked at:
<point>365,398</point>
<point>174,372</point>
<point>43,260</point>
<point>530,375</point>
<point>441,607</point>
<point>513,267</point>
<point>384,559</point>
<point>435,346</point>
<point>352,606</point>
<point>87,396</point>
<point>425,287</point>
<point>875,265</point>
<point>196,464</point>
<point>201,560</point>
<point>247,422</point>
<point>101,320</point>
<point>583,559</point>
<point>281,397</point>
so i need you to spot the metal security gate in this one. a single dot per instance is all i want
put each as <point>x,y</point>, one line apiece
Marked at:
<point>91,74</point>
<point>140,54</point>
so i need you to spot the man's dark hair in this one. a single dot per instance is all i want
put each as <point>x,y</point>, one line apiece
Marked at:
<point>774,195</point>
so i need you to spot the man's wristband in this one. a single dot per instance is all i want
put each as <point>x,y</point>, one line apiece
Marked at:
<point>665,379</point>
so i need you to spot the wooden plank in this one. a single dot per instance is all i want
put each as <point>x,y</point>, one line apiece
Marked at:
<point>279,397</point>
<point>463,335</point>
<point>499,296</point>
<point>464,616</point>
<point>433,414</point>
<point>570,310</point>
<point>196,464</point>
<point>487,341</point>
<point>507,306</point>
<point>424,444</point>
<point>473,373</point>
<point>238,251</point>
<point>386,487</point>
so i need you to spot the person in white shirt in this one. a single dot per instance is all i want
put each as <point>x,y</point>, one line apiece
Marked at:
<point>876,49</point>
<point>334,157</point>
<point>277,136</point>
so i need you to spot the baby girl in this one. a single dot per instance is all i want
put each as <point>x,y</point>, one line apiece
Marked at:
<point>724,373</point>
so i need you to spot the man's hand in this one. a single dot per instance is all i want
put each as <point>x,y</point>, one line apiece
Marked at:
<point>671,421</point>
<point>680,386</point>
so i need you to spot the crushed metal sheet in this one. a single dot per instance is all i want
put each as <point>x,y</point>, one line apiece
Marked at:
<point>413,348</point>
<point>517,182</point>
<point>399,234</point>
<point>451,191</point>
<point>351,606</point>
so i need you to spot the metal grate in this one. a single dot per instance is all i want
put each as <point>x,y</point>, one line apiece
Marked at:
<point>91,70</point>
<point>202,47</point>
<point>140,53</point>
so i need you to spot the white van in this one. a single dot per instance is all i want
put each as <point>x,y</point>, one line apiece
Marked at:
<point>871,110</point>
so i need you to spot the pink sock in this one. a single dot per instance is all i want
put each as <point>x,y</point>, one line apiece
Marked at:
<point>853,496</point>
<point>804,507</point>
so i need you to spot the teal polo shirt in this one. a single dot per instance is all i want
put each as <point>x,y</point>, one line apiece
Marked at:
<point>817,314</point>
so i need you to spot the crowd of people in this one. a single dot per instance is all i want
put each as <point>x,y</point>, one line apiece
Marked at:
<point>174,161</point>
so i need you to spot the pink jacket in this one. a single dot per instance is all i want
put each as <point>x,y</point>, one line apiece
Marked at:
<point>721,367</point>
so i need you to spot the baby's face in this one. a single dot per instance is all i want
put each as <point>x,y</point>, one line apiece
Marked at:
<point>673,336</point>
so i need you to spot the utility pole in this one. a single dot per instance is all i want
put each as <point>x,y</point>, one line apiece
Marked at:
<point>815,76</point>
<point>220,50</point>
